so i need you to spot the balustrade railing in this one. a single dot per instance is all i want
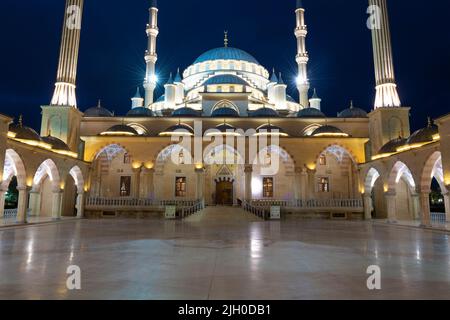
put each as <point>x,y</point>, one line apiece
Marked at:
<point>438,217</point>
<point>311,204</point>
<point>187,211</point>
<point>134,202</point>
<point>259,211</point>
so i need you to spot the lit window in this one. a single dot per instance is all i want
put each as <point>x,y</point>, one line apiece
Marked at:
<point>268,187</point>
<point>219,89</point>
<point>125,186</point>
<point>232,89</point>
<point>323,160</point>
<point>180,187</point>
<point>324,185</point>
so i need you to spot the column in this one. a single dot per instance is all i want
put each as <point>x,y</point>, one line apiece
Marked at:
<point>80,205</point>
<point>136,182</point>
<point>304,184</point>
<point>56,204</point>
<point>368,206</point>
<point>391,207</point>
<point>248,182</point>
<point>35,203</point>
<point>147,187</point>
<point>416,205</point>
<point>447,206</point>
<point>297,184</point>
<point>2,203</point>
<point>199,186</point>
<point>425,216</point>
<point>311,184</point>
<point>23,204</point>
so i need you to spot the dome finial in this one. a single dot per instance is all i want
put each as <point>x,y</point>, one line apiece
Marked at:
<point>351,104</point>
<point>225,40</point>
<point>99,104</point>
<point>20,120</point>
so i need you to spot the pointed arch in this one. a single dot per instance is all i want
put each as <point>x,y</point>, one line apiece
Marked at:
<point>401,171</point>
<point>111,151</point>
<point>371,178</point>
<point>338,151</point>
<point>47,169</point>
<point>77,176</point>
<point>172,152</point>
<point>14,166</point>
<point>210,154</point>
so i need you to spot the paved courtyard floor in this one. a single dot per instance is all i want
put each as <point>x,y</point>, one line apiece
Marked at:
<point>223,253</point>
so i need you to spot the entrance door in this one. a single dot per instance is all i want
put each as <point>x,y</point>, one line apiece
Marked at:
<point>224,193</point>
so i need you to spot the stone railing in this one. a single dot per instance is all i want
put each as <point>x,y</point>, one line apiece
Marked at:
<point>97,203</point>
<point>325,204</point>
<point>10,214</point>
<point>187,211</point>
<point>438,217</point>
<point>259,211</point>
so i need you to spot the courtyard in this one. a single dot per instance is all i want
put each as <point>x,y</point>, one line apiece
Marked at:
<point>223,253</point>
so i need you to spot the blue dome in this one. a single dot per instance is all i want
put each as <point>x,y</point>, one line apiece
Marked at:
<point>98,111</point>
<point>226,53</point>
<point>185,112</point>
<point>353,112</point>
<point>265,113</point>
<point>225,113</point>
<point>140,112</point>
<point>310,113</point>
<point>225,79</point>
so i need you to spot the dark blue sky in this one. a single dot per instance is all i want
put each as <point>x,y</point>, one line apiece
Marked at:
<point>113,42</point>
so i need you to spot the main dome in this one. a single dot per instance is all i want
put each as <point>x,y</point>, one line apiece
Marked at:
<point>226,53</point>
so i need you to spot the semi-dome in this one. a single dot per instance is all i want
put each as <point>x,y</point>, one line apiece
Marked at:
<point>180,129</point>
<point>353,112</point>
<point>225,112</point>
<point>226,79</point>
<point>424,135</point>
<point>328,131</point>
<point>310,113</point>
<point>21,132</point>
<point>185,112</point>
<point>98,111</point>
<point>56,143</point>
<point>265,113</point>
<point>269,129</point>
<point>226,53</point>
<point>140,112</point>
<point>120,130</point>
<point>392,146</point>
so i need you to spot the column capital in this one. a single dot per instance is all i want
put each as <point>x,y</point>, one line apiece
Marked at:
<point>137,170</point>
<point>199,170</point>
<point>248,168</point>
<point>26,188</point>
<point>146,170</point>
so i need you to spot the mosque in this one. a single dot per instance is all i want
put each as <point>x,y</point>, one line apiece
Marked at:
<point>193,146</point>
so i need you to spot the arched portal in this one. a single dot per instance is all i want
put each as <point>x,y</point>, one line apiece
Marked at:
<point>46,194</point>
<point>432,182</point>
<point>375,206</point>
<point>403,200</point>
<point>73,193</point>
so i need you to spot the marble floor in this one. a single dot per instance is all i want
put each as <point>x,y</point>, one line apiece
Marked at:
<point>223,253</point>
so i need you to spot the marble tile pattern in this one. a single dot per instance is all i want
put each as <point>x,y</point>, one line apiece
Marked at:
<point>223,253</point>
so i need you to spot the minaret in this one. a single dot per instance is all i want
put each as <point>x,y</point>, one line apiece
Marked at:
<point>180,88</point>
<point>315,101</point>
<point>302,55</point>
<point>64,94</point>
<point>170,94</point>
<point>386,88</point>
<point>150,55</point>
<point>137,101</point>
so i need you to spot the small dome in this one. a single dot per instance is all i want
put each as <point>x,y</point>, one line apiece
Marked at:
<point>180,129</point>
<point>328,131</point>
<point>424,135</point>
<point>24,133</point>
<point>56,143</point>
<point>185,112</point>
<point>98,111</point>
<point>392,146</point>
<point>310,113</point>
<point>225,112</point>
<point>140,112</point>
<point>226,53</point>
<point>270,130</point>
<point>224,129</point>
<point>120,130</point>
<point>353,112</point>
<point>225,79</point>
<point>265,113</point>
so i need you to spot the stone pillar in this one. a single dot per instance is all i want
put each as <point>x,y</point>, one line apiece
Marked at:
<point>303,184</point>
<point>80,205</point>
<point>447,206</point>
<point>22,204</point>
<point>57,203</point>
<point>248,182</point>
<point>35,203</point>
<point>199,185</point>
<point>2,203</point>
<point>368,206</point>
<point>416,205</point>
<point>391,207</point>
<point>425,217</point>
<point>311,184</point>
<point>136,182</point>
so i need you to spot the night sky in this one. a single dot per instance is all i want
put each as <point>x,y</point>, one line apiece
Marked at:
<point>113,42</point>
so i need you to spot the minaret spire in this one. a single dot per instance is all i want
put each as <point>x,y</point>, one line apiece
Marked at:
<point>64,94</point>
<point>225,40</point>
<point>386,88</point>
<point>150,55</point>
<point>302,57</point>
